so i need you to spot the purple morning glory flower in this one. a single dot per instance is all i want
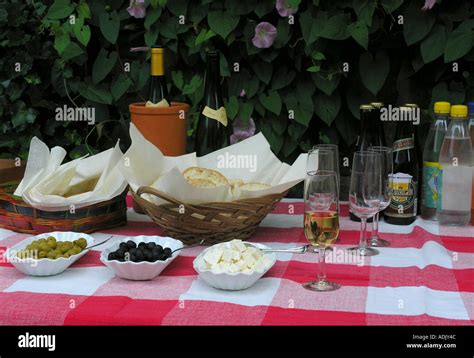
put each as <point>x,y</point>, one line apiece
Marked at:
<point>242,93</point>
<point>137,8</point>
<point>242,131</point>
<point>285,10</point>
<point>265,34</point>
<point>428,5</point>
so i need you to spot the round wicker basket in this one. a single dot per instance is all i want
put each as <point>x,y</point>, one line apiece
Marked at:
<point>213,222</point>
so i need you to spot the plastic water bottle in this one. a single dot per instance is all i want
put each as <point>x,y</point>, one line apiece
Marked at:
<point>456,161</point>
<point>470,106</point>
<point>434,140</point>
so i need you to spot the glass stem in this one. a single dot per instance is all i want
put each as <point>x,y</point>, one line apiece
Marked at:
<point>375,226</point>
<point>322,264</point>
<point>363,228</point>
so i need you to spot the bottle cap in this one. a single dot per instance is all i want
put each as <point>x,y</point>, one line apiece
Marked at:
<point>459,111</point>
<point>442,107</point>
<point>157,49</point>
<point>471,107</point>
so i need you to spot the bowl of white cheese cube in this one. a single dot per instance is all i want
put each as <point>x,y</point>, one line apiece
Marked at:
<point>233,265</point>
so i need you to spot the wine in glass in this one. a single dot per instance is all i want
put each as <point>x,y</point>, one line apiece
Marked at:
<point>321,221</point>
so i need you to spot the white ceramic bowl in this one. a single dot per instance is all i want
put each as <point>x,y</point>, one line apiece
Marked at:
<point>46,267</point>
<point>140,270</point>
<point>231,281</point>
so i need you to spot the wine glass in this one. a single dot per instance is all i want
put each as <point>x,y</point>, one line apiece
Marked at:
<point>319,159</point>
<point>335,157</point>
<point>321,221</point>
<point>365,194</point>
<point>387,173</point>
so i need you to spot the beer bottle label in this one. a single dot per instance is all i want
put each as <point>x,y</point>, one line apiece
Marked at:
<point>431,179</point>
<point>219,115</point>
<point>403,203</point>
<point>403,144</point>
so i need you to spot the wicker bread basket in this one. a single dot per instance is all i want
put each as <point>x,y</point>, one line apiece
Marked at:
<point>214,222</point>
<point>16,215</point>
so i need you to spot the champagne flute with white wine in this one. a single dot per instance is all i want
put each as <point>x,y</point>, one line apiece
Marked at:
<point>321,221</point>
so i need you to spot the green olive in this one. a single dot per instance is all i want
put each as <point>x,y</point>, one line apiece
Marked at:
<point>51,244</point>
<point>51,255</point>
<point>42,254</point>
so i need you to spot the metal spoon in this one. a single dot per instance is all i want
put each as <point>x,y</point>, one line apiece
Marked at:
<point>100,243</point>
<point>188,247</point>
<point>292,250</point>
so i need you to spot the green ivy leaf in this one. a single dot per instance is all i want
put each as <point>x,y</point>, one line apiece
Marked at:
<point>275,140</point>
<point>222,23</point>
<point>347,126</point>
<point>280,124</point>
<point>318,56</point>
<point>327,107</point>
<point>282,78</point>
<point>61,42</point>
<point>300,107</point>
<point>374,70</point>
<point>289,146</point>
<point>22,115</point>
<point>103,64</point>
<point>177,7</point>
<point>250,85</point>
<point>83,34</point>
<point>204,36</point>
<point>308,27</point>
<point>460,41</point>
<point>93,93</point>
<point>60,9</point>
<point>151,36</point>
<point>272,101</point>
<point>326,83</point>
<point>263,7</point>
<point>360,32</point>
<point>232,107</point>
<point>364,10</point>
<point>433,46</point>
<point>178,79</point>
<point>333,28</point>
<point>314,68</point>
<point>391,5</point>
<point>245,111</point>
<point>83,10</point>
<point>110,25</point>
<point>193,85</point>
<point>416,23</point>
<point>151,17</point>
<point>121,84</point>
<point>263,70</point>
<point>72,50</point>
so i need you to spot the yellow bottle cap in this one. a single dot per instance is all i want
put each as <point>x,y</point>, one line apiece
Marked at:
<point>442,107</point>
<point>459,111</point>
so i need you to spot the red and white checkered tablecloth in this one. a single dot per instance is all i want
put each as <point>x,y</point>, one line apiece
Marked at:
<point>426,277</point>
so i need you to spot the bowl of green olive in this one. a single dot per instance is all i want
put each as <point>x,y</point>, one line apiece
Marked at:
<point>49,254</point>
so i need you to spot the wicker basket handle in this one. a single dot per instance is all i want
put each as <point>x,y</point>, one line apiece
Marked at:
<point>148,190</point>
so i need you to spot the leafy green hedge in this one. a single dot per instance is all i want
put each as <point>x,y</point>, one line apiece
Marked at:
<point>302,71</point>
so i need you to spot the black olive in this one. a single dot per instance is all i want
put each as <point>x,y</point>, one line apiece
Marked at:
<point>148,256</point>
<point>119,254</point>
<point>121,260</point>
<point>139,255</point>
<point>158,249</point>
<point>167,251</point>
<point>156,255</point>
<point>133,258</point>
<point>133,251</point>
<point>123,246</point>
<point>111,256</point>
<point>150,245</point>
<point>131,244</point>
<point>141,245</point>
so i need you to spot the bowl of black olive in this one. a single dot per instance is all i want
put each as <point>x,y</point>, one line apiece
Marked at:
<point>141,257</point>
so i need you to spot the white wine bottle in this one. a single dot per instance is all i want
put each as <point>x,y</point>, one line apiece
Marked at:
<point>158,95</point>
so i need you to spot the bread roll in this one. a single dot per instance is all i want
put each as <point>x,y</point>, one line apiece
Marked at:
<point>206,174</point>
<point>254,186</point>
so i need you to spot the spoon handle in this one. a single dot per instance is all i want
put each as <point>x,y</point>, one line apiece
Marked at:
<point>293,250</point>
<point>188,247</point>
<point>100,243</point>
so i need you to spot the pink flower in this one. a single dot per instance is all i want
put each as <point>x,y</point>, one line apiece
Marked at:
<point>428,5</point>
<point>137,8</point>
<point>285,10</point>
<point>242,93</point>
<point>242,131</point>
<point>265,34</point>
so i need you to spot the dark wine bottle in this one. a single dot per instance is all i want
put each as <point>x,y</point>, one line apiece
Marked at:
<point>403,206</point>
<point>158,92</point>
<point>212,132</point>
<point>378,131</point>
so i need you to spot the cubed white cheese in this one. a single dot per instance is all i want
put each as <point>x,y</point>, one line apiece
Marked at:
<point>212,257</point>
<point>227,255</point>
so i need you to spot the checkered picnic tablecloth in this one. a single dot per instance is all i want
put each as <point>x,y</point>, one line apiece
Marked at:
<point>426,277</point>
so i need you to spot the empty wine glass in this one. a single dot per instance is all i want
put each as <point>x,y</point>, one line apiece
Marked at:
<point>335,157</point>
<point>365,194</point>
<point>321,221</point>
<point>387,172</point>
<point>319,159</point>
